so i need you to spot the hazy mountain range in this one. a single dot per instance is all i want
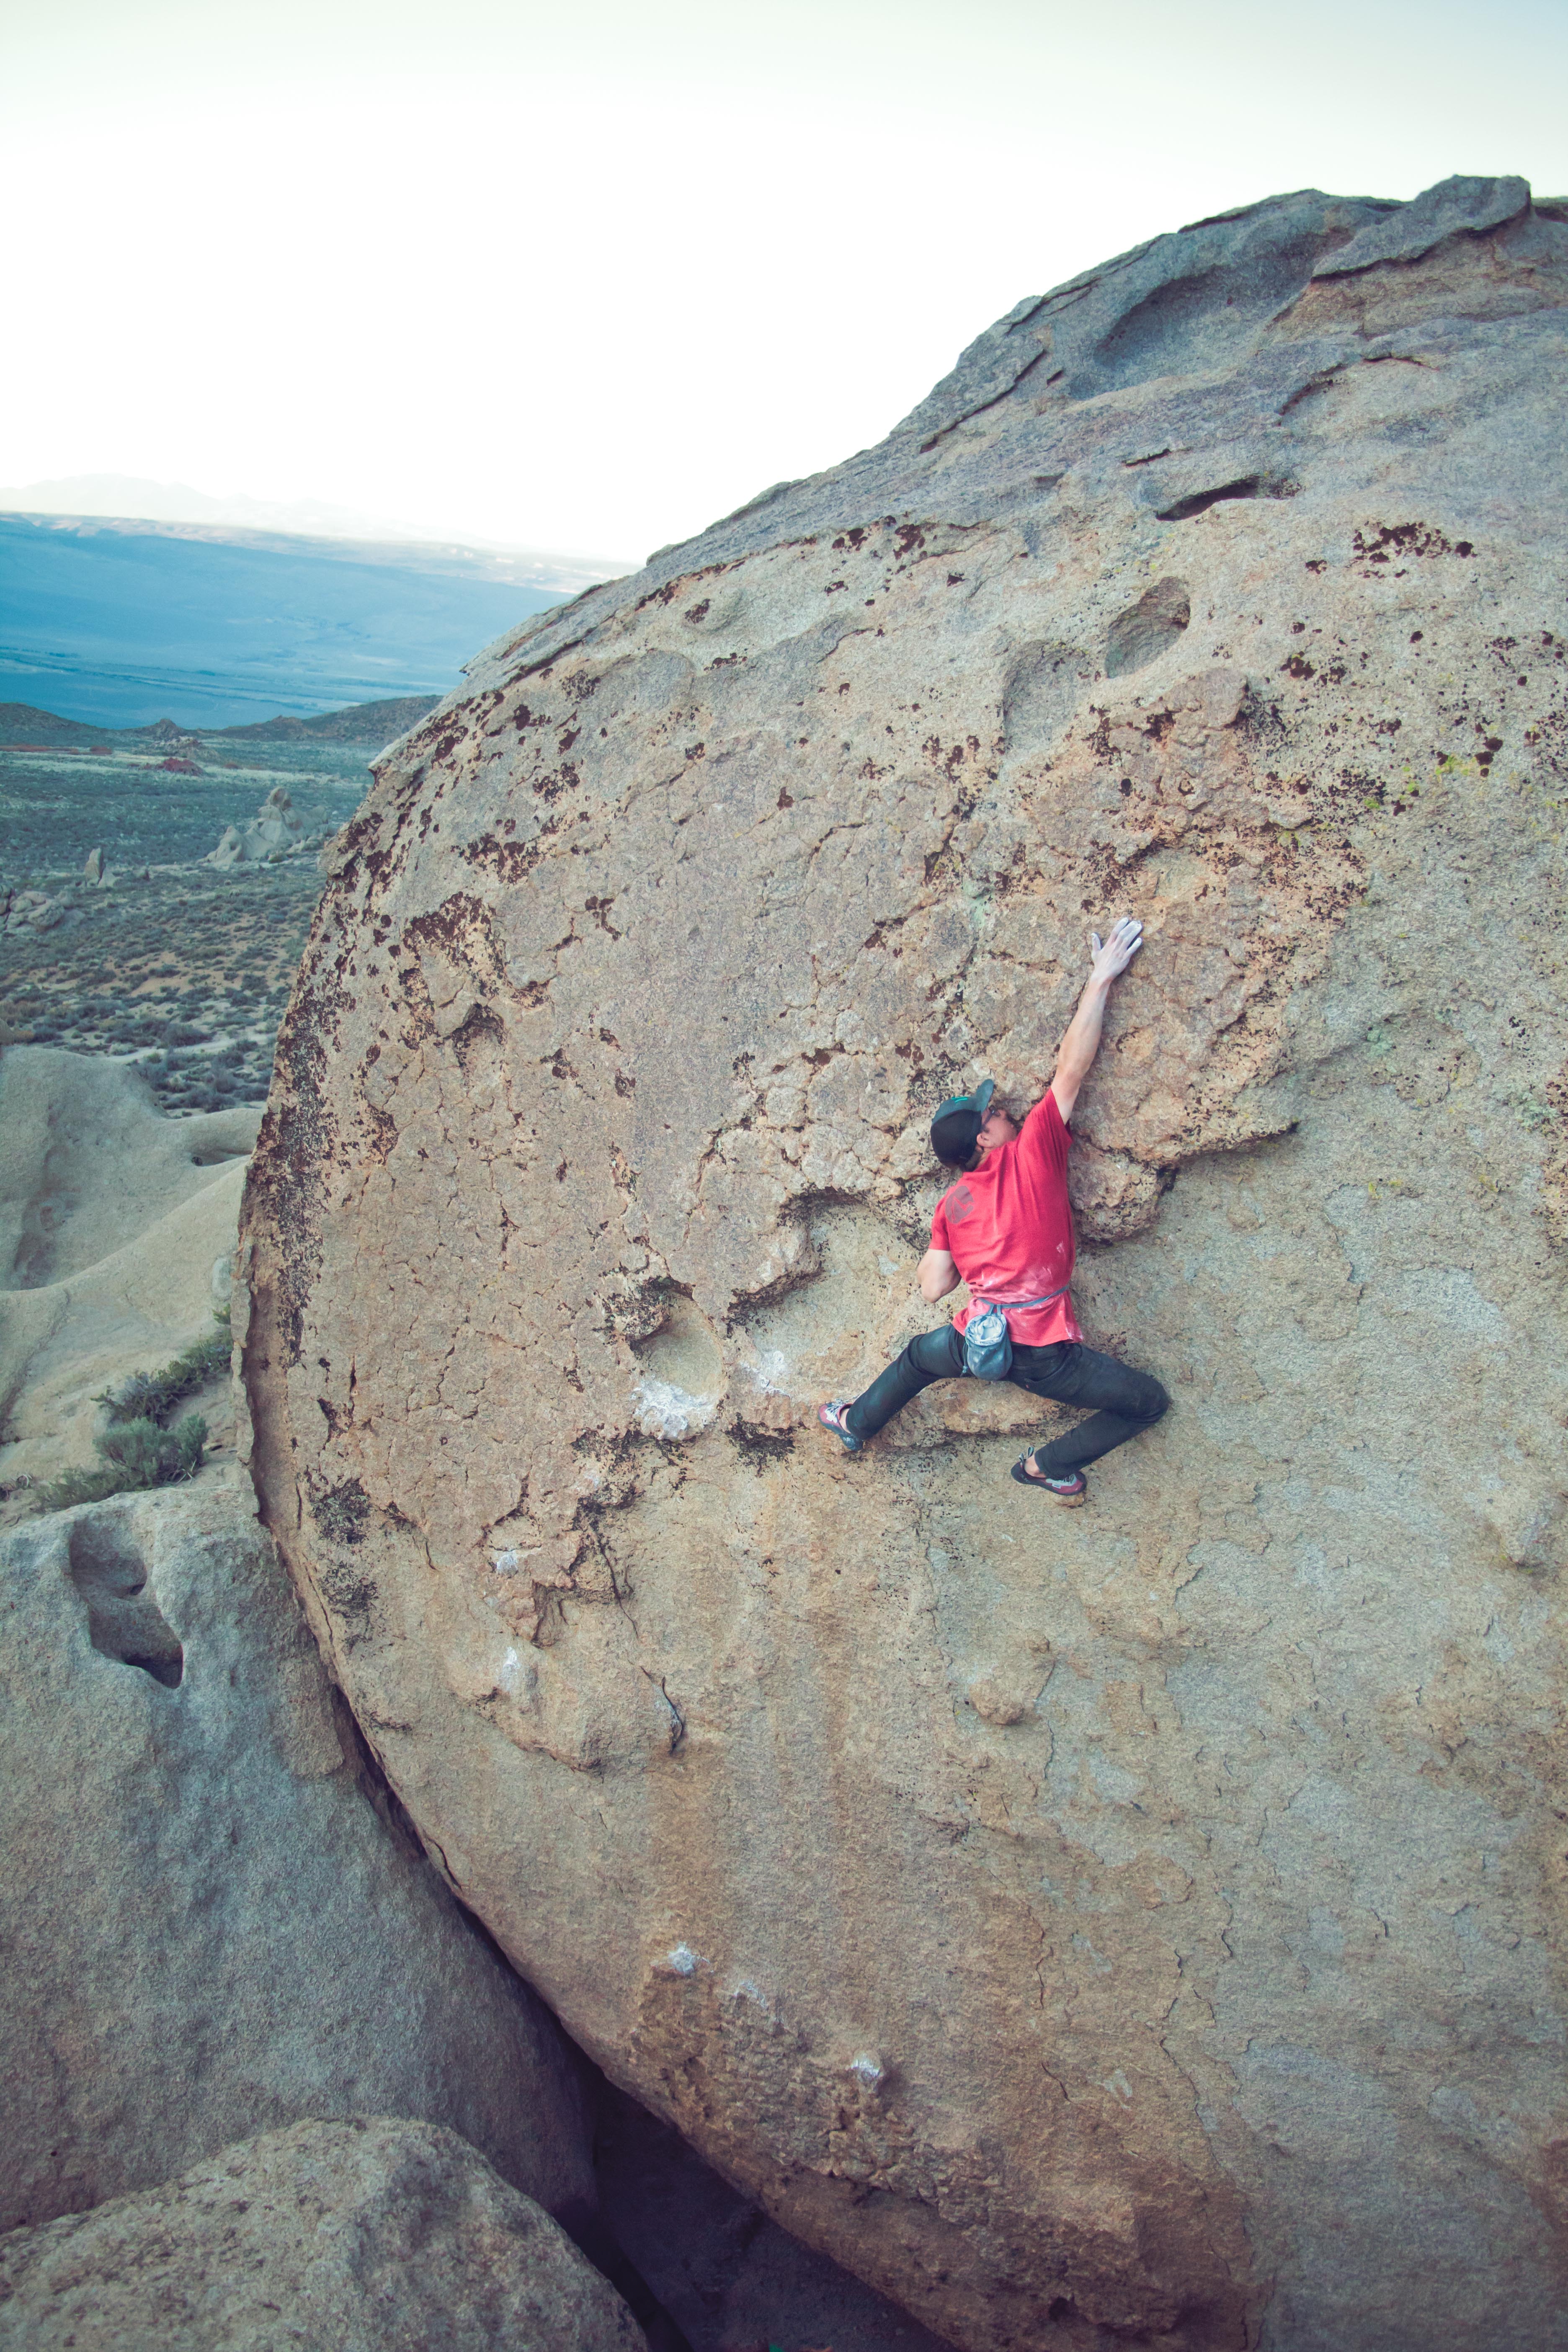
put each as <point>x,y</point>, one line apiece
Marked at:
<point>130,497</point>
<point>120,621</point>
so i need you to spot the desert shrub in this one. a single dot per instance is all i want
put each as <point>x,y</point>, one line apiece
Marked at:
<point>136,1454</point>
<point>152,1457</point>
<point>138,1451</point>
<point>152,1396</point>
<point>74,1486</point>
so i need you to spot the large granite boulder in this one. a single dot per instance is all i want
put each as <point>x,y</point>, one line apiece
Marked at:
<point>372,2235</point>
<point>1134,1924</point>
<point>214,1921</point>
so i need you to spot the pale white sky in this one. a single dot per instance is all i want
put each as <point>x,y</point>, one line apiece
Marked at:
<point>587,277</point>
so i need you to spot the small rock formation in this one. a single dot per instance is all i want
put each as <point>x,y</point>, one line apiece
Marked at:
<point>32,912</point>
<point>370,2236</point>
<point>271,833</point>
<point>1142,1923</point>
<point>208,1929</point>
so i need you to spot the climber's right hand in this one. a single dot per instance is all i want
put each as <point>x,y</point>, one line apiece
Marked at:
<point>1112,955</point>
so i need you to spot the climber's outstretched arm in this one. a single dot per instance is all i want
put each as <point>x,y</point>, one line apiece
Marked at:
<point>1081,1044</point>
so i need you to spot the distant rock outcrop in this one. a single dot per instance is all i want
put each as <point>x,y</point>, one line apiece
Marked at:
<point>1144,1925</point>
<point>271,833</point>
<point>32,912</point>
<point>371,2236</point>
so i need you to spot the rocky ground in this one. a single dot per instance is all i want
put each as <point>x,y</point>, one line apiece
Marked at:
<point>160,956</point>
<point>369,2235</point>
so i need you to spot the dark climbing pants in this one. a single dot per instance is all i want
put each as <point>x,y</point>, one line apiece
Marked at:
<point>1119,1401</point>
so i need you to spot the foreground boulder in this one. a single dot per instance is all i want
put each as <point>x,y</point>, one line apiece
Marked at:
<point>364,2236</point>
<point>209,1928</point>
<point>1093,1927</point>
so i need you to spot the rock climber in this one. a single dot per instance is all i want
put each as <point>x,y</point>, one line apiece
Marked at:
<point>1006,1229</point>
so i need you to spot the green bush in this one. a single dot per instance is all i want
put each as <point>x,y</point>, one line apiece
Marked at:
<point>152,1457</point>
<point>74,1486</point>
<point>152,1396</point>
<point>136,1454</point>
<point>138,1451</point>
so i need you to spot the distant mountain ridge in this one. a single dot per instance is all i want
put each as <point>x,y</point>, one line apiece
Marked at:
<point>362,722</point>
<point>121,621</point>
<point>374,723</point>
<point>23,722</point>
<point>126,501</point>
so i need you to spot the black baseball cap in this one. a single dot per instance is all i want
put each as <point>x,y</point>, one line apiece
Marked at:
<point>955,1130</point>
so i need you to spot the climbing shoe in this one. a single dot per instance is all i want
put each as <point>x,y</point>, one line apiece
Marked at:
<point>1071,1492</point>
<point>831,1416</point>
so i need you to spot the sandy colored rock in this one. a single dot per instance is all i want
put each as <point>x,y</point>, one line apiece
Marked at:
<point>1139,1923</point>
<point>208,1927</point>
<point>372,2235</point>
<point>116,1228</point>
<point>87,1162</point>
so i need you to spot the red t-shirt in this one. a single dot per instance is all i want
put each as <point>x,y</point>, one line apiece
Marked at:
<point>1009,1228</point>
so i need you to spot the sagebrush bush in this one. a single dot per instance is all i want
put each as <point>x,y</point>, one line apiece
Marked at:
<point>151,1396</point>
<point>138,1451</point>
<point>136,1454</point>
<point>152,1457</point>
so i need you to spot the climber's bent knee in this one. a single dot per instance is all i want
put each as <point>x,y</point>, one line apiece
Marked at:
<point>932,1356</point>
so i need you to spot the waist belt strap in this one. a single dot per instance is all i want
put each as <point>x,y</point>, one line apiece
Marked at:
<point>1017,1306</point>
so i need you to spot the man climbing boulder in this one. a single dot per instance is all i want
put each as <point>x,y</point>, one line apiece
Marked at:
<point>1006,1229</point>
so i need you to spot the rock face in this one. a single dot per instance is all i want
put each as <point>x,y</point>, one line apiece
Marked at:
<point>1135,1922</point>
<point>207,1928</point>
<point>371,2236</point>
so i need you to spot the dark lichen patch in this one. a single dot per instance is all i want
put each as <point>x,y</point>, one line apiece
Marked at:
<point>341,1512</point>
<point>762,1448</point>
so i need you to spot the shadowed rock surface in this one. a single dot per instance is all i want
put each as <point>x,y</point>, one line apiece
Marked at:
<point>1135,1925</point>
<point>207,1928</point>
<point>370,2236</point>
